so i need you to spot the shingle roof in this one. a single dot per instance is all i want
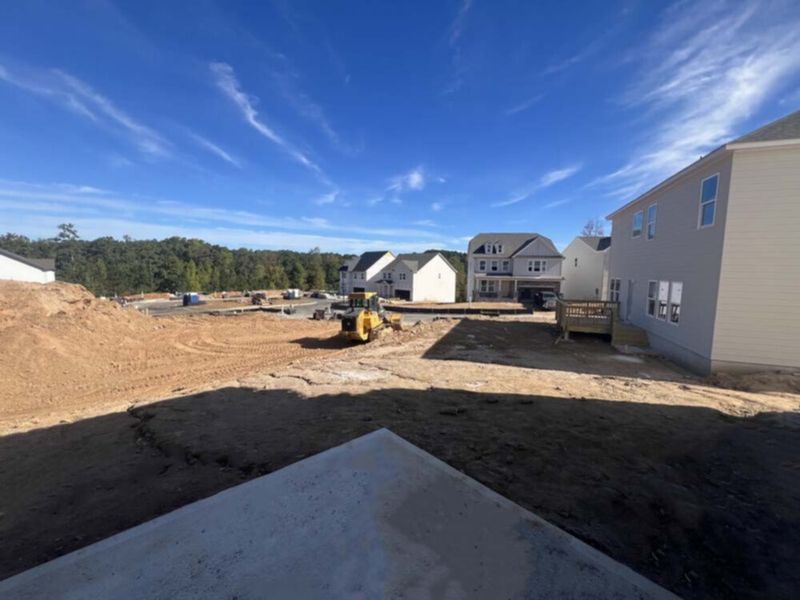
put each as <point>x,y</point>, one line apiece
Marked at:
<point>43,264</point>
<point>416,261</point>
<point>785,128</point>
<point>512,243</point>
<point>596,242</point>
<point>368,259</point>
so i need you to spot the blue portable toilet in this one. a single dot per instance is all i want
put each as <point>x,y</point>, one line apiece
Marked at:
<point>191,298</point>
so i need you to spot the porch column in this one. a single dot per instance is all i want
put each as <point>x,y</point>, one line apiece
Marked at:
<point>515,289</point>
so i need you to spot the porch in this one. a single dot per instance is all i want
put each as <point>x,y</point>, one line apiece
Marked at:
<point>512,289</point>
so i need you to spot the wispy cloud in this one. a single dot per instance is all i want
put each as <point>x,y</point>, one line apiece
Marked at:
<point>702,74</point>
<point>30,203</point>
<point>545,181</point>
<point>454,41</point>
<point>437,206</point>
<point>523,106</point>
<point>214,149</point>
<point>226,80</point>
<point>328,198</point>
<point>80,98</point>
<point>414,180</point>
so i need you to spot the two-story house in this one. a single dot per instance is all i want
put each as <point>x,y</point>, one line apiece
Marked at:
<point>425,277</point>
<point>708,261</point>
<point>511,266</point>
<point>361,274</point>
<point>585,268</point>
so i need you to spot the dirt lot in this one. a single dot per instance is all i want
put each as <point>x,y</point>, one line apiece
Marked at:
<point>694,483</point>
<point>66,355</point>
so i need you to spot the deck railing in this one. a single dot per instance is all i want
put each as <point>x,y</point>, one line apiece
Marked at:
<point>588,316</point>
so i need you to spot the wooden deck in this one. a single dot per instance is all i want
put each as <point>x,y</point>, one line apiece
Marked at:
<point>592,316</point>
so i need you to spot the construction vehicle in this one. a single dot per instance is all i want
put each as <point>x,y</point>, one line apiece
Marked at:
<point>259,298</point>
<point>365,317</point>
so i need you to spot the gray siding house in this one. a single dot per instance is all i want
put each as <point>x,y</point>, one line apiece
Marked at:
<point>708,261</point>
<point>511,266</point>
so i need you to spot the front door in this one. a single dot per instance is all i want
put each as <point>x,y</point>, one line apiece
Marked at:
<point>629,301</point>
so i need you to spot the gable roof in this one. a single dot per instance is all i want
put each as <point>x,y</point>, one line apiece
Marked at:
<point>349,264</point>
<point>43,264</point>
<point>596,242</point>
<point>415,262</point>
<point>785,128</point>
<point>366,260</point>
<point>512,243</point>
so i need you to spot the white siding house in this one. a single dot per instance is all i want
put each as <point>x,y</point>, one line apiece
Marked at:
<point>427,277</point>
<point>585,268</point>
<point>708,261</point>
<point>362,274</point>
<point>14,267</point>
<point>511,266</point>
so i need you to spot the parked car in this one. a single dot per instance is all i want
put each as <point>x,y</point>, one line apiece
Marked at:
<point>545,300</point>
<point>293,294</point>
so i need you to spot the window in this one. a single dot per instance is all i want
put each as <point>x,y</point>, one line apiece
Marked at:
<point>663,296</point>
<point>675,294</point>
<point>494,266</point>
<point>651,221</point>
<point>498,248</point>
<point>539,266</point>
<point>708,200</point>
<point>481,265</point>
<point>506,266</point>
<point>487,286</point>
<point>613,289</point>
<point>576,261</point>
<point>638,219</point>
<point>652,293</point>
<point>402,276</point>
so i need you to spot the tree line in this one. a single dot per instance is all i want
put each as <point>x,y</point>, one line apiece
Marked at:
<point>107,266</point>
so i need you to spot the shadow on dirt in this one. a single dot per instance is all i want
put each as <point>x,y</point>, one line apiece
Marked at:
<point>705,504</point>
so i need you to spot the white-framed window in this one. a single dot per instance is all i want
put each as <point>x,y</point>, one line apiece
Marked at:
<point>663,298</point>
<point>675,297</point>
<point>652,295</point>
<point>652,211</point>
<point>613,289</point>
<point>402,276</point>
<point>506,266</point>
<point>487,286</point>
<point>539,266</point>
<point>493,266</point>
<point>481,265</point>
<point>708,201</point>
<point>638,220</point>
<point>498,248</point>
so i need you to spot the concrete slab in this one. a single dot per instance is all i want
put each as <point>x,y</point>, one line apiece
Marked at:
<point>374,518</point>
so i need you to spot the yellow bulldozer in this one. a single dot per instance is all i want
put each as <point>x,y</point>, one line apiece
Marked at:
<point>365,318</point>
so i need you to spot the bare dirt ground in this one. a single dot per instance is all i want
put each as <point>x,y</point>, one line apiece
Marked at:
<point>695,483</point>
<point>460,305</point>
<point>67,355</point>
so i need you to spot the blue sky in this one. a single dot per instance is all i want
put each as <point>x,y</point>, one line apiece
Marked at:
<point>368,125</point>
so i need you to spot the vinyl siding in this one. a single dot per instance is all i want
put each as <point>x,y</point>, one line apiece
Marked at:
<point>435,282</point>
<point>679,252</point>
<point>757,321</point>
<point>587,280</point>
<point>15,270</point>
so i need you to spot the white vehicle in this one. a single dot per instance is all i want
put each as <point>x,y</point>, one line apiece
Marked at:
<point>293,294</point>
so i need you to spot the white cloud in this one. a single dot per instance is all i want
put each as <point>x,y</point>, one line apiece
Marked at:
<point>424,223</point>
<point>548,179</point>
<point>32,202</point>
<point>214,149</point>
<point>524,105</point>
<point>80,98</point>
<point>413,180</point>
<point>705,71</point>
<point>227,82</point>
<point>328,198</point>
<point>437,206</point>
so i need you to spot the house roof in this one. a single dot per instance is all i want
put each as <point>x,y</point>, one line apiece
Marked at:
<point>366,260</point>
<point>596,242</point>
<point>43,264</point>
<point>512,243</point>
<point>415,262</point>
<point>785,128</point>
<point>349,264</point>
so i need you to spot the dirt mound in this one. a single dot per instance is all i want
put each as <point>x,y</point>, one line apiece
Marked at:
<point>787,382</point>
<point>29,303</point>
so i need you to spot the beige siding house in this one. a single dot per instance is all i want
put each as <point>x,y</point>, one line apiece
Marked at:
<point>708,261</point>
<point>426,277</point>
<point>585,268</point>
<point>511,266</point>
